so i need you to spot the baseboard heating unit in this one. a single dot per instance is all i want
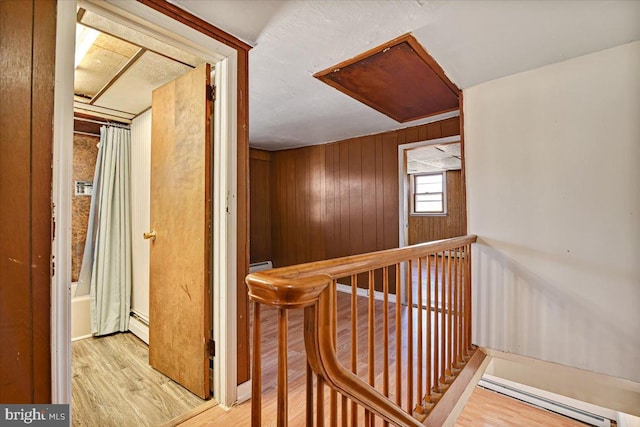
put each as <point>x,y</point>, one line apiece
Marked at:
<point>259,266</point>
<point>512,390</point>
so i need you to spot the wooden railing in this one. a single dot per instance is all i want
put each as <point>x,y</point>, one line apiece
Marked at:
<point>387,349</point>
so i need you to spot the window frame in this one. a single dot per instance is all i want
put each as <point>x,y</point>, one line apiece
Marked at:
<point>413,194</point>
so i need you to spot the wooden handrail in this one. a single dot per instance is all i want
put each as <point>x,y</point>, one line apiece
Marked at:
<point>355,264</point>
<point>312,287</point>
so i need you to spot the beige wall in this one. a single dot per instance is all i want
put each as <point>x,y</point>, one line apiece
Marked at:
<point>553,185</point>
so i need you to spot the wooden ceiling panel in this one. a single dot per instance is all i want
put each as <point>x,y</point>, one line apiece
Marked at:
<point>398,79</point>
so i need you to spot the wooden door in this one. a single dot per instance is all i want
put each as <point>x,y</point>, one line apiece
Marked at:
<point>179,301</point>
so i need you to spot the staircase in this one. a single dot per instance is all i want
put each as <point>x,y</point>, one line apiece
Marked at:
<point>387,336</point>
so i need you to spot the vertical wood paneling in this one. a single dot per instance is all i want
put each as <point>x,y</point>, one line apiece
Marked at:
<point>27,41</point>
<point>260,205</point>
<point>140,208</point>
<point>340,198</point>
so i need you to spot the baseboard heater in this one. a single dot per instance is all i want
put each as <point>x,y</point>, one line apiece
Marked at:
<point>139,326</point>
<point>260,266</point>
<point>542,402</point>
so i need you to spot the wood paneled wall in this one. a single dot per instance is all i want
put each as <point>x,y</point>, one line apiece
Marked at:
<point>260,205</point>
<point>424,228</point>
<point>27,41</point>
<point>340,198</point>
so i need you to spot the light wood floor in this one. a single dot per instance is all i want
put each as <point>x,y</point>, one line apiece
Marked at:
<point>483,409</point>
<point>488,408</point>
<point>113,385</point>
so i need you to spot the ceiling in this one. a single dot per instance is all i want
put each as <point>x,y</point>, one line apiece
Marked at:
<point>473,41</point>
<point>434,158</point>
<point>117,68</point>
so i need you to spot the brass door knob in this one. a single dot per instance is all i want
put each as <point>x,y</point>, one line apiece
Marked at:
<point>150,235</point>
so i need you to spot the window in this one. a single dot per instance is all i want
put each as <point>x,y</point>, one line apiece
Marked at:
<point>428,194</point>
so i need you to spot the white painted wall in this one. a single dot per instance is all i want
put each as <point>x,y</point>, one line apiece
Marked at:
<point>553,182</point>
<point>140,206</point>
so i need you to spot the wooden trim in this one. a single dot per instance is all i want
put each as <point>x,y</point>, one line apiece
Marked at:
<point>259,154</point>
<point>118,74</point>
<point>196,23</point>
<point>26,141</point>
<point>418,49</point>
<point>242,208</point>
<point>345,266</point>
<point>406,38</point>
<point>243,224</point>
<point>441,411</point>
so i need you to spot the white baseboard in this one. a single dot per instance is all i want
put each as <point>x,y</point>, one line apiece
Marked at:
<point>139,329</point>
<point>581,411</point>
<point>615,394</point>
<point>244,391</point>
<point>82,337</point>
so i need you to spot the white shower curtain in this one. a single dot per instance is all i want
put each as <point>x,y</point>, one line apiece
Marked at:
<point>106,265</point>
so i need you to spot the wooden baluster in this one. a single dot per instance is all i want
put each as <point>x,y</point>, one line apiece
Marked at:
<point>309,400</point>
<point>283,383</point>
<point>343,412</point>
<point>449,315</point>
<point>372,338</point>
<point>333,399</point>
<point>443,320</point>
<point>354,341</point>
<point>459,310</point>
<point>420,360</point>
<point>319,401</point>
<point>398,338</point>
<point>427,396</point>
<point>436,328</point>
<point>469,303</point>
<point>256,374</point>
<point>410,337</point>
<point>456,310</point>
<point>463,267</point>
<point>385,328</point>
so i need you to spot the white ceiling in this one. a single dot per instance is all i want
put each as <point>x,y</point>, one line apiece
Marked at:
<point>473,41</point>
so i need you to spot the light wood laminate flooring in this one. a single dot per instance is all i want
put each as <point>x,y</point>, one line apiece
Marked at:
<point>113,385</point>
<point>482,410</point>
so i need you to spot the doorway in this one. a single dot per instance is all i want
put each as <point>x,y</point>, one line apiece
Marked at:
<point>137,16</point>
<point>439,212</point>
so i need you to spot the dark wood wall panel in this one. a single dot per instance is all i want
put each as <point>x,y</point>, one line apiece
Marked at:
<point>427,228</point>
<point>340,198</point>
<point>26,142</point>
<point>260,205</point>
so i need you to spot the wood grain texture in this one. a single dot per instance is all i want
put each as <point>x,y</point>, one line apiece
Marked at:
<point>260,205</point>
<point>113,385</point>
<point>27,41</point>
<point>398,78</point>
<point>483,409</point>
<point>242,124</point>
<point>488,408</point>
<point>341,198</point>
<point>179,315</point>
<point>425,228</point>
<point>243,226</point>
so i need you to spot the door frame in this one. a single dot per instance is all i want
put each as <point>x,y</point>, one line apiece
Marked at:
<point>403,183</point>
<point>225,184</point>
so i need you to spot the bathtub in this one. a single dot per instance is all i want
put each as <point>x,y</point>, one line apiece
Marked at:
<point>80,317</point>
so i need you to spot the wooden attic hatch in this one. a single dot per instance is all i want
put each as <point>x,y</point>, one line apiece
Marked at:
<point>399,79</point>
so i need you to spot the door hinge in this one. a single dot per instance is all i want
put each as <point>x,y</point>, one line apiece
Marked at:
<point>211,93</point>
<point>211,348</point>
